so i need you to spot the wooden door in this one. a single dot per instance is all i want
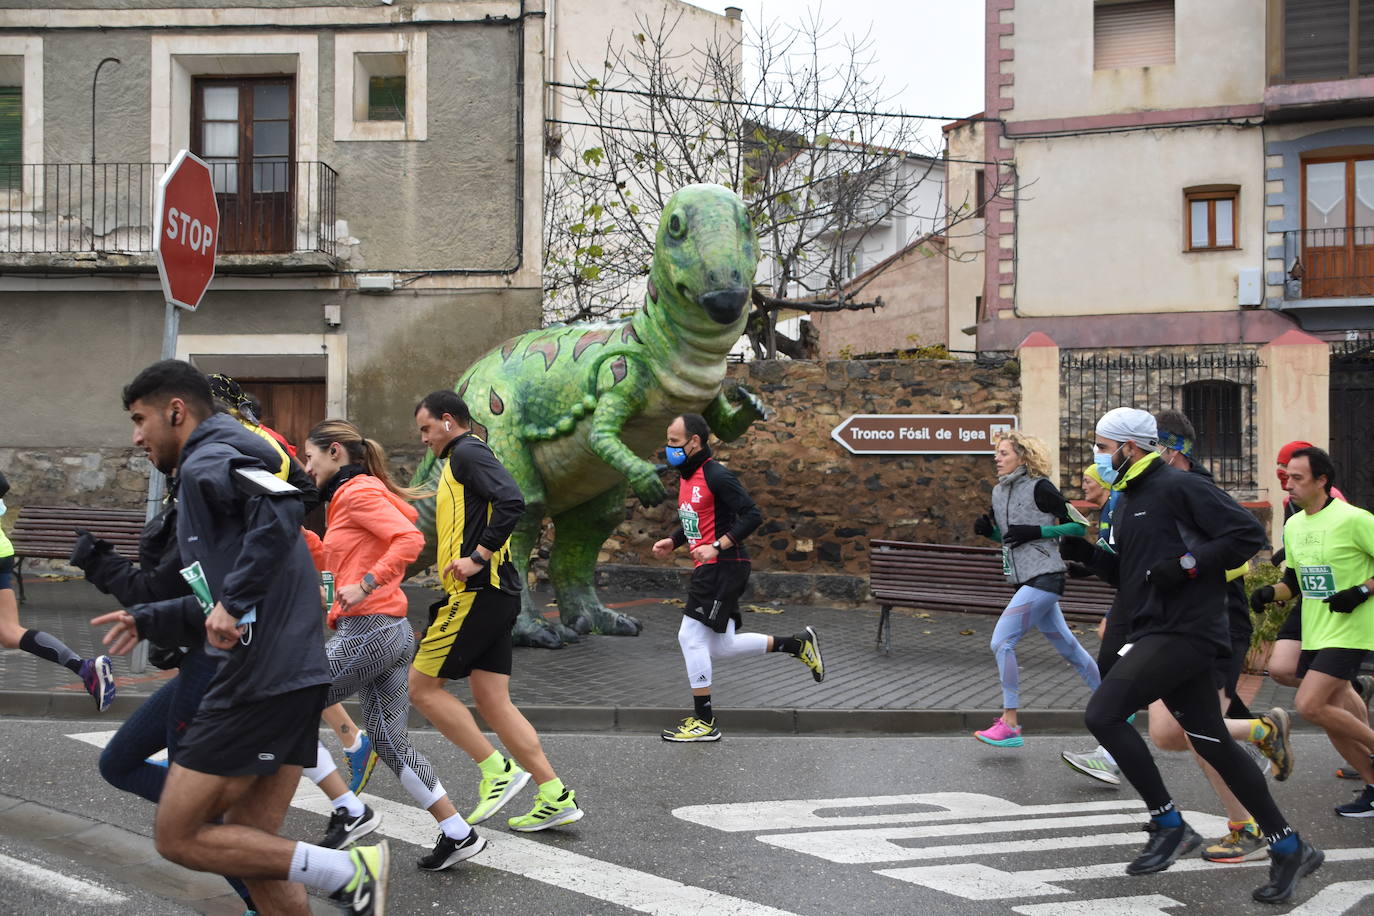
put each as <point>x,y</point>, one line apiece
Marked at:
<point>1338,227</point>
<point>245,130</point>
<point>290,406</point>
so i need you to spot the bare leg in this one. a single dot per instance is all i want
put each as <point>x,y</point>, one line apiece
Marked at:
<point>338,719</point>
<point>1283,662</point>
<point>10,630</point>
<point>491,693</point>
<point>446,713</point>
<point>1321,700</point>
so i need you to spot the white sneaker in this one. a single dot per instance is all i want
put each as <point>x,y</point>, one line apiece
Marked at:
<point>1098,764</point>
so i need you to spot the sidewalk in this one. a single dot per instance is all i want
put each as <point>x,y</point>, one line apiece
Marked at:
<point>939,677</point>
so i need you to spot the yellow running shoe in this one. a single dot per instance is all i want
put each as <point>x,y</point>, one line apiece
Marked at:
<point>810,653</point>
<point>495,791</point>
<point>692,729</point>
<point>548,812</point>
<point>365,893</point>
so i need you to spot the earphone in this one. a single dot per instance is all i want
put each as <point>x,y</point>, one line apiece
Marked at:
<point>446,426</point>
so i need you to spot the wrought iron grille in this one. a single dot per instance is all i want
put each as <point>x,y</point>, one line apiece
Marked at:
<point>1216,391</point>
<point>1351,404</point>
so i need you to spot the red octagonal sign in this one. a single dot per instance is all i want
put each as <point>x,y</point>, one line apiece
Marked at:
<point>187,230</point>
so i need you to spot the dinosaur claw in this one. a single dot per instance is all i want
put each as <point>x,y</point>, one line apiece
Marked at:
<point>537,634</point>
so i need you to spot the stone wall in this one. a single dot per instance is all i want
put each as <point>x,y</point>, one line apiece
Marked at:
<point>115,478</point>
<point>822,505</point>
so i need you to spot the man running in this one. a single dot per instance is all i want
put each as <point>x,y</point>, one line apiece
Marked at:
<point>1175,535</point>
<point>255,602</point>
<point>476,507</point>
<point>717,515</point>
<point>1330,554</point>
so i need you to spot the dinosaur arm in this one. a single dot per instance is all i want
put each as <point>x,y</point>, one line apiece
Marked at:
<point>729,420</point>
<point>622,392</point>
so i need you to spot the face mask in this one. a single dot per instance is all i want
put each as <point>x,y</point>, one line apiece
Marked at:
<point>1104,466</point>
<point>3,510</point>
<point>676,455</point>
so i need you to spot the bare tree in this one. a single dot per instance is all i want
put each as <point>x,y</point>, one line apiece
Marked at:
<point>801,138</point>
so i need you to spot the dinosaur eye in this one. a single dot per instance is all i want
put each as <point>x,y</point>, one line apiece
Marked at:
<point>677,226</point>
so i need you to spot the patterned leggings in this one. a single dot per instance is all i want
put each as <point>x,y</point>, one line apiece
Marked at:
<point>1038,609</point>
<point>370,656</point>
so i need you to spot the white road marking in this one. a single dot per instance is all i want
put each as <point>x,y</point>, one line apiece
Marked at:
<point>100,739</point>
<point>32,876</point>
<point>1335,899</point>
<point>1149,905</point>
<point>857,847</point>
<point>568,871</point>
<point>762,817</point>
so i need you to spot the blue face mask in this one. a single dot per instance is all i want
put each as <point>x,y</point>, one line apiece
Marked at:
<point>3,510</point>
<point>1104,466</point>
<point>676,455</point>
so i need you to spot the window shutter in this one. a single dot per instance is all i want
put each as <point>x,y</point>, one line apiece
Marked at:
<point>1316,40</point>
<point>1139,34</point>
<point>11,136</point>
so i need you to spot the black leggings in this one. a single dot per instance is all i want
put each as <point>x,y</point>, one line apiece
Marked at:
<point>1177,670</point>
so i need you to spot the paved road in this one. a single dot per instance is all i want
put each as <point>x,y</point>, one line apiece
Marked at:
<point>753,826</point>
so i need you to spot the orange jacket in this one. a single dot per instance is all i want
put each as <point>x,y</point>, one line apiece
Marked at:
<point>368,529</point>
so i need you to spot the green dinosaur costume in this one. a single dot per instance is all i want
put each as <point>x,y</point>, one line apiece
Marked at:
<point>573,410</point>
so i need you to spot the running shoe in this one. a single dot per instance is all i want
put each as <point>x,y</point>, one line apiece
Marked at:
<point>1285,870</point>
<point>495,791</point>
<point>98,676</point>
<point>810,653</point>
<point>448,852</point>
<point>1349,772</point>
<point>1261,762</point>
<point>1237,846</point>
<point>1164,846</point>
<point>1363,806</point>
<point>1276,745</point>
<point>548,812</point>
<point>360,764</point>
<point>365,893</point>
<point>344,829</point>
<point>692,729</point>
<point>1000,734</point>
<point>1095,764</point>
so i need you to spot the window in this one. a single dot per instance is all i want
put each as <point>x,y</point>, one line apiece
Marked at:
<point>1327,39</point>
<point>11,136</point>
<point>1211,217</point>
<point>980,198</point>
<point>1337,255</point>
<point>1133,34</point>
<point>379,92</point>
<point>380,86</point>
<point>1214,408</point>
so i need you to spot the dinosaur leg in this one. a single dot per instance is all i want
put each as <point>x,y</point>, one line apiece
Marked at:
<point>532,628</point>
<point>579,534</point>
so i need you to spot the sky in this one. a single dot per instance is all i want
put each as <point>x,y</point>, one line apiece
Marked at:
<point>928,54</point>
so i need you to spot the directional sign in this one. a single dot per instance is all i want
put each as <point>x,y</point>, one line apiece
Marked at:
<point>186,230</point>
<point>922,434</point>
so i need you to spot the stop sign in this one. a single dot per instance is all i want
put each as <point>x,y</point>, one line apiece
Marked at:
<point>186,230</point>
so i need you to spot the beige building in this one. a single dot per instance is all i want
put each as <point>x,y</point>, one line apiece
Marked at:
<point>1191,180</point>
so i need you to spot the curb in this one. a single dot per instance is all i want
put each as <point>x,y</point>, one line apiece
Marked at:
<point>650,719</point>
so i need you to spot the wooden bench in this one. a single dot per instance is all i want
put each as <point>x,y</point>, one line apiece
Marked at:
<point>948,577</point>
<point>49,532</point>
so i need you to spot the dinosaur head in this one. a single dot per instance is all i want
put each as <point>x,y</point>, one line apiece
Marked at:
<point>704,258</point>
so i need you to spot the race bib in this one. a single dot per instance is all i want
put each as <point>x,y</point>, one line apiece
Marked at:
<point>1006,560</point>
<point>691,522</point>
<point>1316,581</point>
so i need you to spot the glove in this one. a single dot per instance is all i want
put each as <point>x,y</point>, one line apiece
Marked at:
<point>165,659</point>
<point>85,549</point>
<point>1078,570</point>
<point>1260,597</point>
<point>1016,535</point>
<point>983,526</point>
<point>1076,549</point>
<point>1347,599</point>
<point>1166,575</point>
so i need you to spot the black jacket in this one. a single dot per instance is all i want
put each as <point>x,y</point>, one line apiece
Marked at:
<point>1164,513</point>
<point>247,539</point>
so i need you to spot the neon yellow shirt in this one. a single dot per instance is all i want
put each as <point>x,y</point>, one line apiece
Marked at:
<point>1331,551</point>
<point>6,548</point>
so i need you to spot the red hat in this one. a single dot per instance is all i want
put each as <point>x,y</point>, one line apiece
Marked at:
<point>1287,451</point>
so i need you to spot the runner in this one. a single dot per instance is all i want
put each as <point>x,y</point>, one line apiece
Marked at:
<point>1028,515</point>
<point>1330,553</point>
<point>476,508</point>
<point>255,604</point>
<point>1175,535</point>
<point>97,674</point>
<point>717,515</point>
<point>229,395</point>
<point>370,538</point>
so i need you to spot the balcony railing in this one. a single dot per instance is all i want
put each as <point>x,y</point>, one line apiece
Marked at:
<point>1329,263</point>
<point>72,208</point>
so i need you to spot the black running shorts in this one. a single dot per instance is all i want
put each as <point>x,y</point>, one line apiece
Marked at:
<point>1292,625</point>
<point>6,573</point>
<point>253,739</point>
<point>1339,663</point>
<point>714,592</point>
<point>470,631</point>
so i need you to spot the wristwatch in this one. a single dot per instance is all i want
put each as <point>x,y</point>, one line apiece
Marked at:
<point>369,583</point>
<point>477,558</point>
<point>715,545</point>
<point>1189,564</point>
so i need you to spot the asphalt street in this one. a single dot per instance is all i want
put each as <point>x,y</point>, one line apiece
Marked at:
<point>752,826</point>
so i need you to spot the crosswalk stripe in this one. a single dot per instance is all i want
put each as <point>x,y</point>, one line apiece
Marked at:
<point>36,877</point>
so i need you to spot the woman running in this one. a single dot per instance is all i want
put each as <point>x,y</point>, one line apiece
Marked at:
<point>370,538</point>
<point>1029,515</point>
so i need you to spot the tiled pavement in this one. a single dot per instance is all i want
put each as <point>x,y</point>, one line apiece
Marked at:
<point>939,676</point>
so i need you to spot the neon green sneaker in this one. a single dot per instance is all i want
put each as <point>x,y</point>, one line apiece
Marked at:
<point>810,654</point>
<point>495,791</point>
<point>692,729</point>
<point>548,812</point>
<point>365,894</point>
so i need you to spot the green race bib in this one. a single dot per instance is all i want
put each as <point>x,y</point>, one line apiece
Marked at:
<point>1316,581</point>
<point>1006,560</point>
<point>691,522</point>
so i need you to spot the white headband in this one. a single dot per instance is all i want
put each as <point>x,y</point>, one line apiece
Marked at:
<point>1129,424</point>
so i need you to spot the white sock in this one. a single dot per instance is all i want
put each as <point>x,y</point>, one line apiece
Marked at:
<point>349,802</point>
<point>357,744</point>
<point>455,828</point>
<point>324,869</point>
